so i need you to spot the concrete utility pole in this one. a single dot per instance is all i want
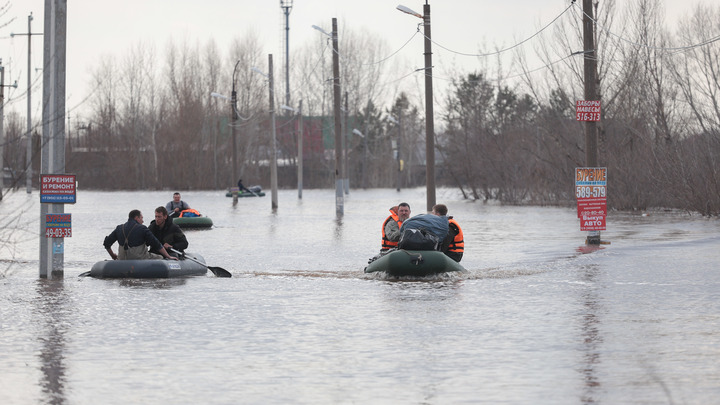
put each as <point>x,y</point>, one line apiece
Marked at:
<point>590,79</point>
<point>345,142</point>
<point>286,5</point>
<point>273,160</point>
<point>28,171</point>
<point>52,250</point>
<point>339,171</point>
<point>300,151</point>
<point>2,126</point>
<point>233,130</point>
<point>429,113</point>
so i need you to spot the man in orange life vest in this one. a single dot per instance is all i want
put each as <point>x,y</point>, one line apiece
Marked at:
<point>392,224</point>
<point>454,244</point>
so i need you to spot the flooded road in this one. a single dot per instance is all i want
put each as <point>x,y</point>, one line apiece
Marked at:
<point>538,318</point>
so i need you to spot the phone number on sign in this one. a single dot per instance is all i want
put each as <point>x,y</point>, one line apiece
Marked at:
<point>587,116</point>
<point>587,191</point>
<point>58,232</point>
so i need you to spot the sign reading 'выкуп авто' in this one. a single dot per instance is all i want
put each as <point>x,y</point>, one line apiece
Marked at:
<point>591,194</point>
<point>57,188</point>
<point>587,110</point>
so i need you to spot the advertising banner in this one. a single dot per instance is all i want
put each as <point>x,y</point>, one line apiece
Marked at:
<point>591,194</point>
<point>58,226</point>
<point>57,188</point>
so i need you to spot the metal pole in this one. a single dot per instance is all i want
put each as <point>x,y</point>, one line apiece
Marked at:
<point>339,196</point>
<point>273,158</point>
<point>29,169</point>
<point>287,6</point>
<point>300,152</point>
<point>2,129</point>
<point>53,132</point>
<point>590,61</point>
<point>345,141</point>
<point>429,118</point>
<point>234,115</point>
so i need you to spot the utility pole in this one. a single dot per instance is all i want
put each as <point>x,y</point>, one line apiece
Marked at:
<point>590,79</point>
<point>28,171</point>
<point>234,115</point>
<point>300,152</point>
<point>2,126</point>
<point>429,114</point>
<point>345,142</point>
<point>273,159</point>
<point>339,172</point>
<point>286,5</point>
<point>52,250</point>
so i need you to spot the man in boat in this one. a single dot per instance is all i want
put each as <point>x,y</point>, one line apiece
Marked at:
<point>168,233</point>
<point>454,243</point>
<point>391,226</point>
<point>242,188</point>
<point>134,239</point>
<point>176,206</point>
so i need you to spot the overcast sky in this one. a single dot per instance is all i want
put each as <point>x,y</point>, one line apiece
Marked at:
<point>97,28</point>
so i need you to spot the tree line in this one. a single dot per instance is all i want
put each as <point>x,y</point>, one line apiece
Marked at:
<point>504,134</point>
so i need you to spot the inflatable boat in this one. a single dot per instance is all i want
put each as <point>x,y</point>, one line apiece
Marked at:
<point>160,268</point>
<point>193,222</point>
<point>418,263</point>
<point>255,191</point>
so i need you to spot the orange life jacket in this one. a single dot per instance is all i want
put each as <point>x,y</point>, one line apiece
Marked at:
<point>387,243</point>
<point>190,211</point>
<point>458,243</point>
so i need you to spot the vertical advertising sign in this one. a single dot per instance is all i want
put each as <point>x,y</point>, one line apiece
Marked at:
<point>591,194</point>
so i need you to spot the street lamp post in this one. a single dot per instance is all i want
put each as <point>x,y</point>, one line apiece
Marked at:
<point>2,128</point>
<point>429,114</point>
<point>28,171</point>
<point>273,157</point>
<point>300,146</point>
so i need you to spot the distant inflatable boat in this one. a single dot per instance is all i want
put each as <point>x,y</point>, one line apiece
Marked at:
<point>255,191</point>
<point>159,268</point>
<point>193,222</point>
<point>418,263</point>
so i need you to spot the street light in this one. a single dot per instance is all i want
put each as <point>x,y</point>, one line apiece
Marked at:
<point>273,158</point>
<point>300,146</point>
<point>339,167</point>
<point>429,119</point>
<point>2,132</point>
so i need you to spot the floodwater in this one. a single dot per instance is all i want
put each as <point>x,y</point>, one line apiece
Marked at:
<point>537,318</point>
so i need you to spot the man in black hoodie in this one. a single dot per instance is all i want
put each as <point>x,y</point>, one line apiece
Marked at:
<point>169,234</point>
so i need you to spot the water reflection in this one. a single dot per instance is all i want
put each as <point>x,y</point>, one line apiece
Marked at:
<point>591,338</point>
<point>152,283</point>
<point>52,306</point>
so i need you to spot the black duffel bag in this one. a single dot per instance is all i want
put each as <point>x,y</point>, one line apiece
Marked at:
<point>417,239</point>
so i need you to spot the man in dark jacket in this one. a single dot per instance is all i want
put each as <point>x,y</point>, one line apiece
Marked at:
<point>169,234</point>
<point>134,239</point>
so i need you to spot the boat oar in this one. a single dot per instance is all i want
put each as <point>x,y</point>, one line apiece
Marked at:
<point>218,271</point>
